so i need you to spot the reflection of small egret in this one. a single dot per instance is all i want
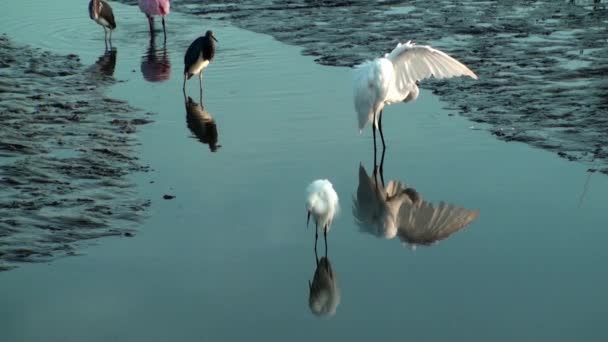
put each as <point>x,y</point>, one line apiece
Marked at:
<point>324,294</point>
<point>101,12</point>
<point>201,124</point>
<point>396,210</point>
<point>322,204</point>
<point>394,77</point>
<point>155,64</point>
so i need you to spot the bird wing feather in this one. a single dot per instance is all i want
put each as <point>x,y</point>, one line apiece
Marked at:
<point>422,223</point>
<point>413,63</point>
<point>367,90</point>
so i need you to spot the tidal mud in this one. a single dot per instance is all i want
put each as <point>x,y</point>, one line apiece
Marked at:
<point>542,64</point>
<point>65,153</point>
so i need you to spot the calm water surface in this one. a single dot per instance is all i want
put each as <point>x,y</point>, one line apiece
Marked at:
<point>229,258</point>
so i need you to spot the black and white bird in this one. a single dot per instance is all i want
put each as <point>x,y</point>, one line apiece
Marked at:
<point>101,12</point>
<point>198,56</point>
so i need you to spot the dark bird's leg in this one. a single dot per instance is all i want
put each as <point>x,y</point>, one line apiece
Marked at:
<point>184,86</point>
<point>380,128</point>
<point>105,37</point>
<point>200,84</point>
<point>151,24</point>
<point>164,30</point>
<point>110,39</point>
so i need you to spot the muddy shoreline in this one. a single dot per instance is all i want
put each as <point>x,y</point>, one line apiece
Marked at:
<point>542,64</point>
<point>66,151</point>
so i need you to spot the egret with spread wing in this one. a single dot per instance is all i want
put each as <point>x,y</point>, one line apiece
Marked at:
<point>394,77</point>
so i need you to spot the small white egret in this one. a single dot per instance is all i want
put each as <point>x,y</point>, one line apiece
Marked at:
<point>322,204</point>
<point>394,78</point>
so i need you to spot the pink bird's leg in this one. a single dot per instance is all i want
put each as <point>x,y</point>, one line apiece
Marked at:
<point>151,24</point>
<point>164,30</point>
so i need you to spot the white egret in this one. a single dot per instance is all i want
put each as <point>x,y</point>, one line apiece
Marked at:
<point>322,204</point>
<point>394,78</point>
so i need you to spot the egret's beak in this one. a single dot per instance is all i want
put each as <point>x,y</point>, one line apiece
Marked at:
<point>212,36</point>
<point>307,219</point>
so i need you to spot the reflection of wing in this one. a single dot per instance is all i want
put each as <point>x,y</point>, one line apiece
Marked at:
<point>324,295</point>
<point>422,224</point>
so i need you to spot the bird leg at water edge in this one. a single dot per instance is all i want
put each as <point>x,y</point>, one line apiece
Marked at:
<point>200,85</point>
<point>325,237</point>
<point>110,39</point>
<point>316,237</point>
<point>164,31</point>
<point>151,24</point>
<point>380,128</point>
<point>105,37</point>
<point>374,135</point>
<point>382,166</point>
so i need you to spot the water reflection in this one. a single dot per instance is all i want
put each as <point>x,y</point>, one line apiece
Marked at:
<point>106,63</point>
<point>324,294</point>
<point>155,64</point>
<point>201,124</point>
<point>396,210</point>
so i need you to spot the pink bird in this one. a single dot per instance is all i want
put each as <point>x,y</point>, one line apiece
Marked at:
<point>152,8</point>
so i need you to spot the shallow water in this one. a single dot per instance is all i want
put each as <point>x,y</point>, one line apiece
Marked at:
<point>230,259</point>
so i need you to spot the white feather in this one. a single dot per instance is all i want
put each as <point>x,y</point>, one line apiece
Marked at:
<point>392,78</point>
<point>197,67</point>
<point>322,203</point>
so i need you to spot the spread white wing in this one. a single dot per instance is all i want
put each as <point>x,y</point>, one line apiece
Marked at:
<point>413,63</point>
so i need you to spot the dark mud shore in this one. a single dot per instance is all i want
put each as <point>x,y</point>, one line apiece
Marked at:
<point>542,64</point>
<point>65,151</point>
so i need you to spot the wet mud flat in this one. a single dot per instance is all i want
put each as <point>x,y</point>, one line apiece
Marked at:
<point>65,153</point>
<point>542,64</point>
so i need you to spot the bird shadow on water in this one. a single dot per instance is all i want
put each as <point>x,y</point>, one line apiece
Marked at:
<point>201,123</point>
<point>105,64</point>
<point>324,293</point>
<point>394,209</point>
<point>155,63</point>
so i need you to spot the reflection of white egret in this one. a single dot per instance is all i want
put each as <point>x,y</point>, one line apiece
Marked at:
<point>394,77</point>
<point>322,204</point>
<point>324,294</point>
<point>396,210</point>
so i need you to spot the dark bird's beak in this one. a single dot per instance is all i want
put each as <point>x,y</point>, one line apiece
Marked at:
<point>212,36</point>
<point>307,219</point>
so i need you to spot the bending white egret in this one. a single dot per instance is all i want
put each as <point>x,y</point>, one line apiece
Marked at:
<point>394,77</point>
<point>322,204</point>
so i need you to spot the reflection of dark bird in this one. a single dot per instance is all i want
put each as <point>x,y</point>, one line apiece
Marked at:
<point>201,124</point>
<point>396,210</point>
<point>106,63</point>
<point>324,294</point>
<point>155,64</point>
<point>101,12</point>
<point>198,56</point>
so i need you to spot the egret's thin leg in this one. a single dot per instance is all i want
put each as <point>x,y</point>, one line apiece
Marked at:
<point>380,128</point>
<point>382,167</point>
<point>374,135</point>
<point>164,30</point>
<point>316,237</point>
<point>325,237</point>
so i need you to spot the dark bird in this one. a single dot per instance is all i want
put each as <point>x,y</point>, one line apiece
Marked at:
<point>101,12</point>
<point>201,124</point>
<point>198,56</point>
